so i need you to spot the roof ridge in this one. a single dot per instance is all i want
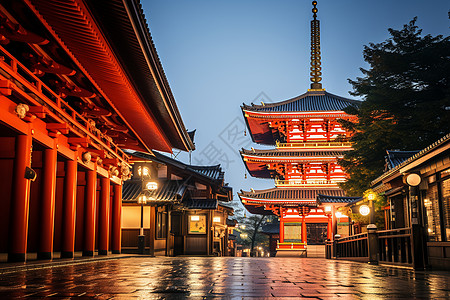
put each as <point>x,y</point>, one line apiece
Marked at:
<point>300,97</point>
<point>412,158</point>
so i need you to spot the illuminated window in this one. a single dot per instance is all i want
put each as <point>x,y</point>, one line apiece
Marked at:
<point>445,192</point>
<point>161,225</point>
<point>431,205</point>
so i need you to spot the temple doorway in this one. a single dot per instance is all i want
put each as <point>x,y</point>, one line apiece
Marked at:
<point>316,233</point>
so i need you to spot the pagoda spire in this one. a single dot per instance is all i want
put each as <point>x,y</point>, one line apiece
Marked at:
<point>316,69</point>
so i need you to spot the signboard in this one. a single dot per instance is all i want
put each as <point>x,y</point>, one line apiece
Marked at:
<point>197,224</point>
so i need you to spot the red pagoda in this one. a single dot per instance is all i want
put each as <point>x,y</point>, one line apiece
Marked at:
<point>309,140</point>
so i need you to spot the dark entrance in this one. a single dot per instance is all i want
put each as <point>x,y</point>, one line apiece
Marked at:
<point>316,233</point>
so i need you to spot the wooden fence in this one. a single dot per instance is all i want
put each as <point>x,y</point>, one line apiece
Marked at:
<point>394,246</point>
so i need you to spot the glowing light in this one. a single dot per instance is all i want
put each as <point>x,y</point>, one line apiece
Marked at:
<point>413,179</point>
<point>151,185</point>
<point>216,219</point>
<point>364,210</point>
<point>195,218</point>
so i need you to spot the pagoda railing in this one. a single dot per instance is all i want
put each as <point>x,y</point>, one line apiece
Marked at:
<point>309,183</point>
<point>306,145</point>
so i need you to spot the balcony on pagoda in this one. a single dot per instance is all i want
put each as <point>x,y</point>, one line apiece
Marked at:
<point>311,118</point>
<point>295,168</point>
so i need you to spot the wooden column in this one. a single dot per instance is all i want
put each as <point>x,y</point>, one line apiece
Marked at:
<point>89,213</point>
<point>18,227</point>
<point>168,230</point>
<point>209,234</point>
<point>330,228</point>
<point>103,222</point>
<point>304,233</point>
<point>116,229</point>
<point>281,231</point>
<point>152,230</point>
<point>69,209</point>
<point>47,217</point>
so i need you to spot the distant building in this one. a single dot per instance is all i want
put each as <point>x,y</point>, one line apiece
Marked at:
<point>184,208</point>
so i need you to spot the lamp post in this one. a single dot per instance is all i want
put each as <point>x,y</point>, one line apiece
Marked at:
<point>146,188</point>
<point>371,197</point>
<point>141,237</point>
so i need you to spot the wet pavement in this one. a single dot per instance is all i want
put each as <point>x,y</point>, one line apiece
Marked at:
<point>223,278</point>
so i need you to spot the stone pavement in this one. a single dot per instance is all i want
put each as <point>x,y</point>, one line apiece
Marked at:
<point>223,278</point>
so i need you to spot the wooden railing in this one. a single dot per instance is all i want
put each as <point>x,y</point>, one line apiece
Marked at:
<point>304,183</point>
<point>37,93</point>
<point>354,246</point>
<point>394,246</point>
<point>314,145</point>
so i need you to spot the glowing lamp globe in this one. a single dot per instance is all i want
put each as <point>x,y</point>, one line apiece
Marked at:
<point>364,210</point>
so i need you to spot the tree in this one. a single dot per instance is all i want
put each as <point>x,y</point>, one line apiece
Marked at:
<point>251,226</point>
<point>407,101</point>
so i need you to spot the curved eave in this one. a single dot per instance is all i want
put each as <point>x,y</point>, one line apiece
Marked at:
<point>296,114</point>
<point>258,122</point>
<point>309,101</point>
<point>76,30</point>
<point>258,210</point>
<point>293,159</point>
<point>259,130</point>
<point>258,201</point>
<point>125,21</point>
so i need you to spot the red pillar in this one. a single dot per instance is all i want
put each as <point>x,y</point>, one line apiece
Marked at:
<point>89,213</point>
<point>103,222</point>
<point>281,231</point>
<point>304,237</point>
<point>20,200</point>
<point>48,204</point>
<point>69,209</point>
<point>117,220</point>
<point>330,228</point>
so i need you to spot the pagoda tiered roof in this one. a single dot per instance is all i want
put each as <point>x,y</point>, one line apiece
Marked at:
<point>307,102</point>
<point>290,154</point>
<point>313,104</point>
<point>256,160</point>
<point>286,196</point>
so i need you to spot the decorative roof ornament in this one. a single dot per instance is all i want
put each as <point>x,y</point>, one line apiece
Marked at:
<point>316,69</point>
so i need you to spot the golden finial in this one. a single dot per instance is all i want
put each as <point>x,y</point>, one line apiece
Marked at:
<point>316,69</point>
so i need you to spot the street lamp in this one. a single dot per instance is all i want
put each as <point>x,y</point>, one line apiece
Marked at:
<point>371,197</point>
<point>146,187</point>
<point>141,237</point>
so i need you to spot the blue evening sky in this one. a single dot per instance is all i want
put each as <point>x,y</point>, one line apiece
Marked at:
<point>219,54</point>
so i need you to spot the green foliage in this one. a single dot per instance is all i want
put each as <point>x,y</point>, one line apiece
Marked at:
<point>379,202</point>
<point>407,101</point>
